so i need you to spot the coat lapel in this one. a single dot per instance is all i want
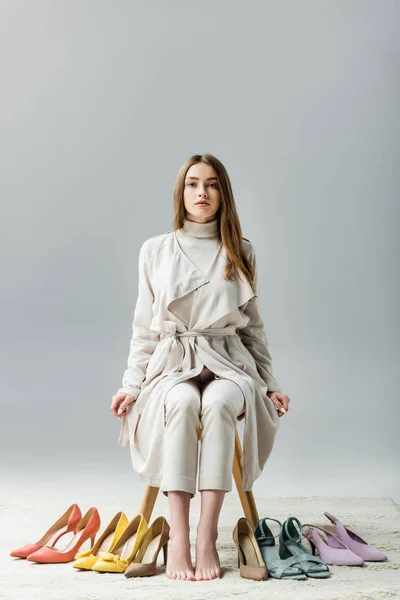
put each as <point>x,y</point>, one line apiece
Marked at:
<point>219,297</point>
<point>183,278</point>
<point>214,298</point>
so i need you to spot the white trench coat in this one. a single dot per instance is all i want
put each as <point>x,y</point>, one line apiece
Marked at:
<point>175,297</point>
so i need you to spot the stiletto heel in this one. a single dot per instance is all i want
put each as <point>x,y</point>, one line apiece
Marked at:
<point>65,524</point>
<point>87,527</point>
<point>165,551</point>
<point>145,562</point>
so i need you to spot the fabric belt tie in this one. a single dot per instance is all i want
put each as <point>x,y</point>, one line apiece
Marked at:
<point>169,359</point>
<point>231,330</point>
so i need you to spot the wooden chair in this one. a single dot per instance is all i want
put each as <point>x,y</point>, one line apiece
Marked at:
<point>246,498</point>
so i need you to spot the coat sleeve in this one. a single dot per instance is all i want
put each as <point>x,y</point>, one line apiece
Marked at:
<point>143,341</point>
<point>254,336</point>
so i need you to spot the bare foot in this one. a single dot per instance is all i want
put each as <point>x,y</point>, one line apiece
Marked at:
<point>179,561</point>
<point>207,559</point>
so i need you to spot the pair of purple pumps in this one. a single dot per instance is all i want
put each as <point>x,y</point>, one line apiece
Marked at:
<point>342,546</point>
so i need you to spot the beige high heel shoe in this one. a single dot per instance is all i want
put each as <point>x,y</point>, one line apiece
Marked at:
<point>250,560</point>
<point>145,562</point>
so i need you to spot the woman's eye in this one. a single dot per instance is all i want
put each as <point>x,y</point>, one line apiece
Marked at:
<point>193,183</point>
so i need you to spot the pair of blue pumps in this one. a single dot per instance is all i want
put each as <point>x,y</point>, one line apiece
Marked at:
<point>293,560</point>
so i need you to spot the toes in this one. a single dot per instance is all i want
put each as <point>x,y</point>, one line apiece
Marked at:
<point>188,575</point>
<point>181,575</point>
<point>207,574</point>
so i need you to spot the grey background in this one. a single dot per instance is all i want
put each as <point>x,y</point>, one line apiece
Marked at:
<point>100,104</point>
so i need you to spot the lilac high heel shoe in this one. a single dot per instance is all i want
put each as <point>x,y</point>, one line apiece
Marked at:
<point>353,541</point>
<point>331,549</point>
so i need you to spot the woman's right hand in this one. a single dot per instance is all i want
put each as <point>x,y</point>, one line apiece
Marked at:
<point>119,404</point>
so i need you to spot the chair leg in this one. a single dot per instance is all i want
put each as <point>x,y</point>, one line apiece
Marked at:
<point>148,502</point>
<point>246,497</point>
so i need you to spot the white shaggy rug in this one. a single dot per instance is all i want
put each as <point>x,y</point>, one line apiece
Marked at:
<point>28,510</point>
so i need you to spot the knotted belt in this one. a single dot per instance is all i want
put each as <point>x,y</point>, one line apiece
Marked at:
<point>229,330</point>
<point>168,358</point>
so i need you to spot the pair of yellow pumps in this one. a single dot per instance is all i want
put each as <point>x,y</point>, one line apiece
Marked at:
<point>129,547</point>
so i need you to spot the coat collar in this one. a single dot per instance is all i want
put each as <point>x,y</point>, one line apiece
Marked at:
<point>215,296</point>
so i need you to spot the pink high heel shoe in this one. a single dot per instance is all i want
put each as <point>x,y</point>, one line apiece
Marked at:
<point>331,549</point>
<point>66,523</point>
<point>354,541</point>
<point>87,528</point>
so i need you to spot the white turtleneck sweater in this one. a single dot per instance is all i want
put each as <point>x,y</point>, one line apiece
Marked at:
<point>199,241</point>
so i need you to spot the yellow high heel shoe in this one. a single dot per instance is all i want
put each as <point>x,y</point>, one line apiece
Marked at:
<point>125,548</point>
<point>87,558</point>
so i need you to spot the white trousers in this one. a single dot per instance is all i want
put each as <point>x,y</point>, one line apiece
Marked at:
<point>213,404</point>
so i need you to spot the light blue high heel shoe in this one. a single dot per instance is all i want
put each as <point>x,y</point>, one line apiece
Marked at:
<point>280,568</point>
<point>290,545</point>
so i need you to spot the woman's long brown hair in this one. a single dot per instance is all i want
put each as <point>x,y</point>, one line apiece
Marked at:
<point>229,225</point>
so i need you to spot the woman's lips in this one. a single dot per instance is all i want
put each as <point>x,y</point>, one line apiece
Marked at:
<point>202,204</point>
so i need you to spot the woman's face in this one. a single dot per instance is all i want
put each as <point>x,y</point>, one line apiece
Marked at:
<point>201,193</point>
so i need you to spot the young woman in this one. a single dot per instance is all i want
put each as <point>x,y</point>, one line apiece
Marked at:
<point>198,358</point>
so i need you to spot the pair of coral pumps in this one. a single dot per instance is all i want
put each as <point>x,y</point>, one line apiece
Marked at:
<point>71,521</point>
<point>129,547</point>
<point>258,557</point>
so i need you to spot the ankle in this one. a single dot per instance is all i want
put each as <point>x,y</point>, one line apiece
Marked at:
<point>182,533</point>
<point>208,533</point>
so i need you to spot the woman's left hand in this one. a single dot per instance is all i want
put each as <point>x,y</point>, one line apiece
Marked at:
<point>281,402</point>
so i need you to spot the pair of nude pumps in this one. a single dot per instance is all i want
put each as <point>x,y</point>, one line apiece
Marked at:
<point>129,547</point>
